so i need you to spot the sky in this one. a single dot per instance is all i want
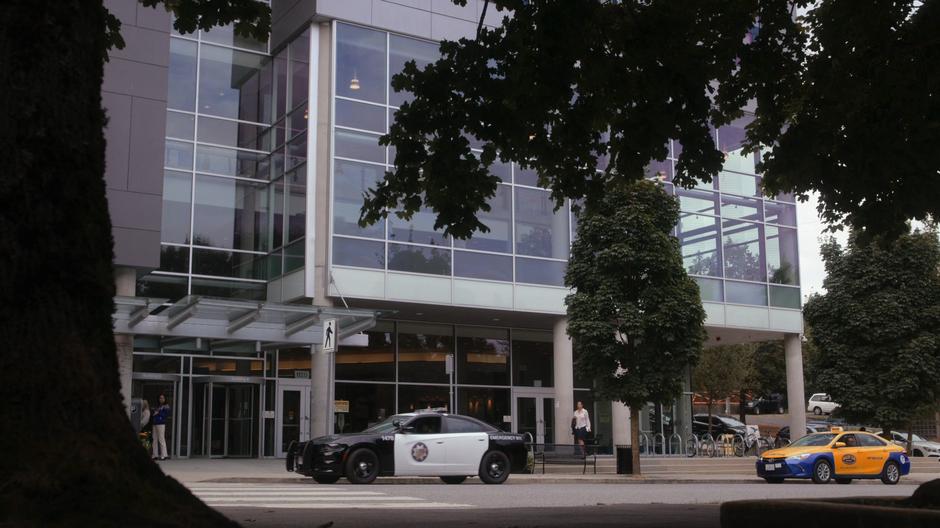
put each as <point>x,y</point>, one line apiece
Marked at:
<point>812,271</point>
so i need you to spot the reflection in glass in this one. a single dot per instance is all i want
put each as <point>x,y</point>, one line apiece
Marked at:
<point>369,404</point>
<point>710,289</point>
<point>228,162</point>
<point>360,63</point>
<point>540,230</point>
<point>373,361</point>
<point>418,230</point>
<point>784,297</point>
<point>230,83</point>
<point>178,155</point>
<point>296,204</point>
<point>536,271</point>
<point>231,133</point>
<point>698,236</point>
<point>350,181</point>
<point>252,291</point>
<point>163,287</point>
<point>226,35</point>
<point>780,213</point>
<point>177,190</point>
<point>181,85</point>
<point>230,214</point>
<point>291,360</point>
<point>404,49</point>
<point>360,115</point>
<point>356,145</point>
<point>525,176</point>
<point>741,208</point>
<point>532,358</point>
<point>179,125</point>
<point>422,353</point>
<point>359,253</point>
<point>174,258</point>
<point>746,293</point>
<point>413,398</point>
<point>499,220</point>
<point>228,264</point>
<point>482,356</point>
<point>742,184</point>
<point>783,264</point>
<point>742,250</point>
<point>482,266</point>
<point>697,201</point>
<point>417,259</point>
<point>299,69</point>
<point>485,404</point>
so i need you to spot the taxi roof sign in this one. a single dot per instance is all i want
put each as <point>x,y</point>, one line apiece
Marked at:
<point>835,429</point>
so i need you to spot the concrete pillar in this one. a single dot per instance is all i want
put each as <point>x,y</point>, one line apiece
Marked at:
<point>564,381</point>
<point>796,396</point>
<point>125,284</point>
<point>620,416</point>
<point>321,395</point>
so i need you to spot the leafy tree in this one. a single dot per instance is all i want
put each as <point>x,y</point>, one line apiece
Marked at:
<point>877,328</point>
<point>70,456</point>
<point>635,315</point>
<point>721,372</point>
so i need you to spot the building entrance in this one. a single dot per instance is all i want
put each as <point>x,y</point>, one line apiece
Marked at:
<point>225,419</point>
<point>293,402</point>
<point>534,413</point>
<point>150,390</point>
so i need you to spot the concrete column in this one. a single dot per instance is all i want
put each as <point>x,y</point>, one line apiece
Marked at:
<point>620,416</point>
<point>796,395</point>
<point>564,381</point>
<point>125,283</point>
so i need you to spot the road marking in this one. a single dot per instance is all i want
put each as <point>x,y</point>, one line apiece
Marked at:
<point>303,496</point>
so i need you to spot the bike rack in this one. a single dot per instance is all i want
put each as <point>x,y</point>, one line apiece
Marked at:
<point>644,443</point>
<point>662,444</point>
<point>675,435</point>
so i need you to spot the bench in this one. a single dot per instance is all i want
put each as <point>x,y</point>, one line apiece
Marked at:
<point>567,454</point>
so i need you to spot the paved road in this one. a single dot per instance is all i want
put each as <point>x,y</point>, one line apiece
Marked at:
<point>472,503</point>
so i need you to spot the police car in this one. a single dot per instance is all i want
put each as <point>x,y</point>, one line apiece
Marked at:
<point>835,455</point>
<point>437,444</point>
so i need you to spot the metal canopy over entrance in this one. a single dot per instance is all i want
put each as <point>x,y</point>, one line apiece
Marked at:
<point>268,324</point>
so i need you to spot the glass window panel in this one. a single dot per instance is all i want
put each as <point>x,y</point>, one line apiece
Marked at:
<point>229,162</point>
<point>228,367</point>
<point>294,255</point>
<point>177,192</point>
<point>532,358</point>
<point>369,404</point>
<point>228,264</point>
<point>731,141</point>
<point>360,115</point>
<point>296,205</point>
<point>279,77</point>
<point>350,181</point>
<point>402,50</point>
<point>276,192</point>
<point>296,152</point>
<point>525,176</point>
<point>746,293</point>
<point>178,155</point>
<point>780,213</point>
<point>230,83</point>
<point>743,255</point>
<point>417,259</point>
<point>502,170</point>
<point>355,145</point>
<point>418,397</point>
<point>231,214</point>
<point>485,404</point>
<point>540,230</point>
<point>251,291</point>
<point>159,364</point>
<point>275,263</point>
<point>482,266</point>
<point>741,208</point>
<point>783,262</point>
<point>482,356</point>
<point>710,289</point>
<point>297,121</point>
<point>535,271</point>
<point>784,297</point>
<point>359,253</point>
<point>499,220</point>
<point>698,236</point>
<point>179,125</point>
<point>174,259</point>
<point>734,183</point>
<point>231,133</point>
<point>162,287</point>
<point>292,360</point>
<point>372,360</point>
<point>786,197</point>
<point>660,170</point>
<point>419,229</point>
<point>422,353</point>
<point>360,63</point>
<point>299,69</point>
<point>181,91</point>
<point>226,35</point>
<point>697,201</point>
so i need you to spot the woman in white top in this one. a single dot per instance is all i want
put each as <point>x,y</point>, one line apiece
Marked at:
<point>582,426</point>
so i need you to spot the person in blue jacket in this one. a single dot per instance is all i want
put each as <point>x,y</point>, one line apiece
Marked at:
<point>160,416</point>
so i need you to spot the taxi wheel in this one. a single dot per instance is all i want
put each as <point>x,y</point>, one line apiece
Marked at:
<point>843,481</point>
<point>453,480</point>
<point>494,468</point>
<point>892,473</point>
<point>326,479</point>
<point>822,472</point>
<point>774,480</point>
<point>362,466</point>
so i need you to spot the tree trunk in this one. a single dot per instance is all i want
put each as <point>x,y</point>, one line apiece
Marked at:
<point>635,436</point>
<point>742,396</point>
<point>910,438</point>
<point>70,456</point>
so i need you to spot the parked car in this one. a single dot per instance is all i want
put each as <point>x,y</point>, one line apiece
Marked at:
<point>919,446</point>
<point>820,403</point>
<point>720,425</point>
<point>783,435</point>
<point>766,405</point>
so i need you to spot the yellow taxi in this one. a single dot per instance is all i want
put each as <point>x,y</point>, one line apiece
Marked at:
<point>835,455</point>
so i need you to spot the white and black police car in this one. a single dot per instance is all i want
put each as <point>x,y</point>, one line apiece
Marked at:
<point>427,443</point>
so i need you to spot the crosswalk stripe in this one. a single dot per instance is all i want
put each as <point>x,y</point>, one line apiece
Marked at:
<point>288,493</point>
<point>360,506</point>
<point>307,497</point>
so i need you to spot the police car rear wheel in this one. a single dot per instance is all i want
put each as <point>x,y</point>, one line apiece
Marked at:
<point>891,473</point>
<point>325,479</point>
<point>494,467</point>
<point>453,480</point>
<point>843,481</point>
<point>362,466</point>
<point>822,472</point>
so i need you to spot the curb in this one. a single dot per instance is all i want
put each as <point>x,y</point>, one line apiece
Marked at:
<point>522,480</point>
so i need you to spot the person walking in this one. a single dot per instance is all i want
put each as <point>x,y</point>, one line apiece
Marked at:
<point>160,417</point>
<point>582,426</point>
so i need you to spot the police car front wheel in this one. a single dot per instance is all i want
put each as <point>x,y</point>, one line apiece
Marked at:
<point>453,480</point>
<point>362,466</point>
<point>494,467</point>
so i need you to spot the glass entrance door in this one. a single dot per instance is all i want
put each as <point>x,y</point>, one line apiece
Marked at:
<point>293,404</point>
<point>225,419</point>
<point>535,414</point>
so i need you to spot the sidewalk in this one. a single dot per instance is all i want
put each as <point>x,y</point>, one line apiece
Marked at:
<point>259,471</point>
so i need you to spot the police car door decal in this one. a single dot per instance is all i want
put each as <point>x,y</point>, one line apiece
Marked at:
<point>420,454</point>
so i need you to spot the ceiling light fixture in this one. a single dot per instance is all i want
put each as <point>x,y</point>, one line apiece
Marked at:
<point>354,82</point>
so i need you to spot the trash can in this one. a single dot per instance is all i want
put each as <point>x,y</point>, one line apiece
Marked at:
<point>624,459</point>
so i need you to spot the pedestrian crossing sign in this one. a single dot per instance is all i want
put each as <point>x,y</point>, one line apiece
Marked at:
<point>329,335</point>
